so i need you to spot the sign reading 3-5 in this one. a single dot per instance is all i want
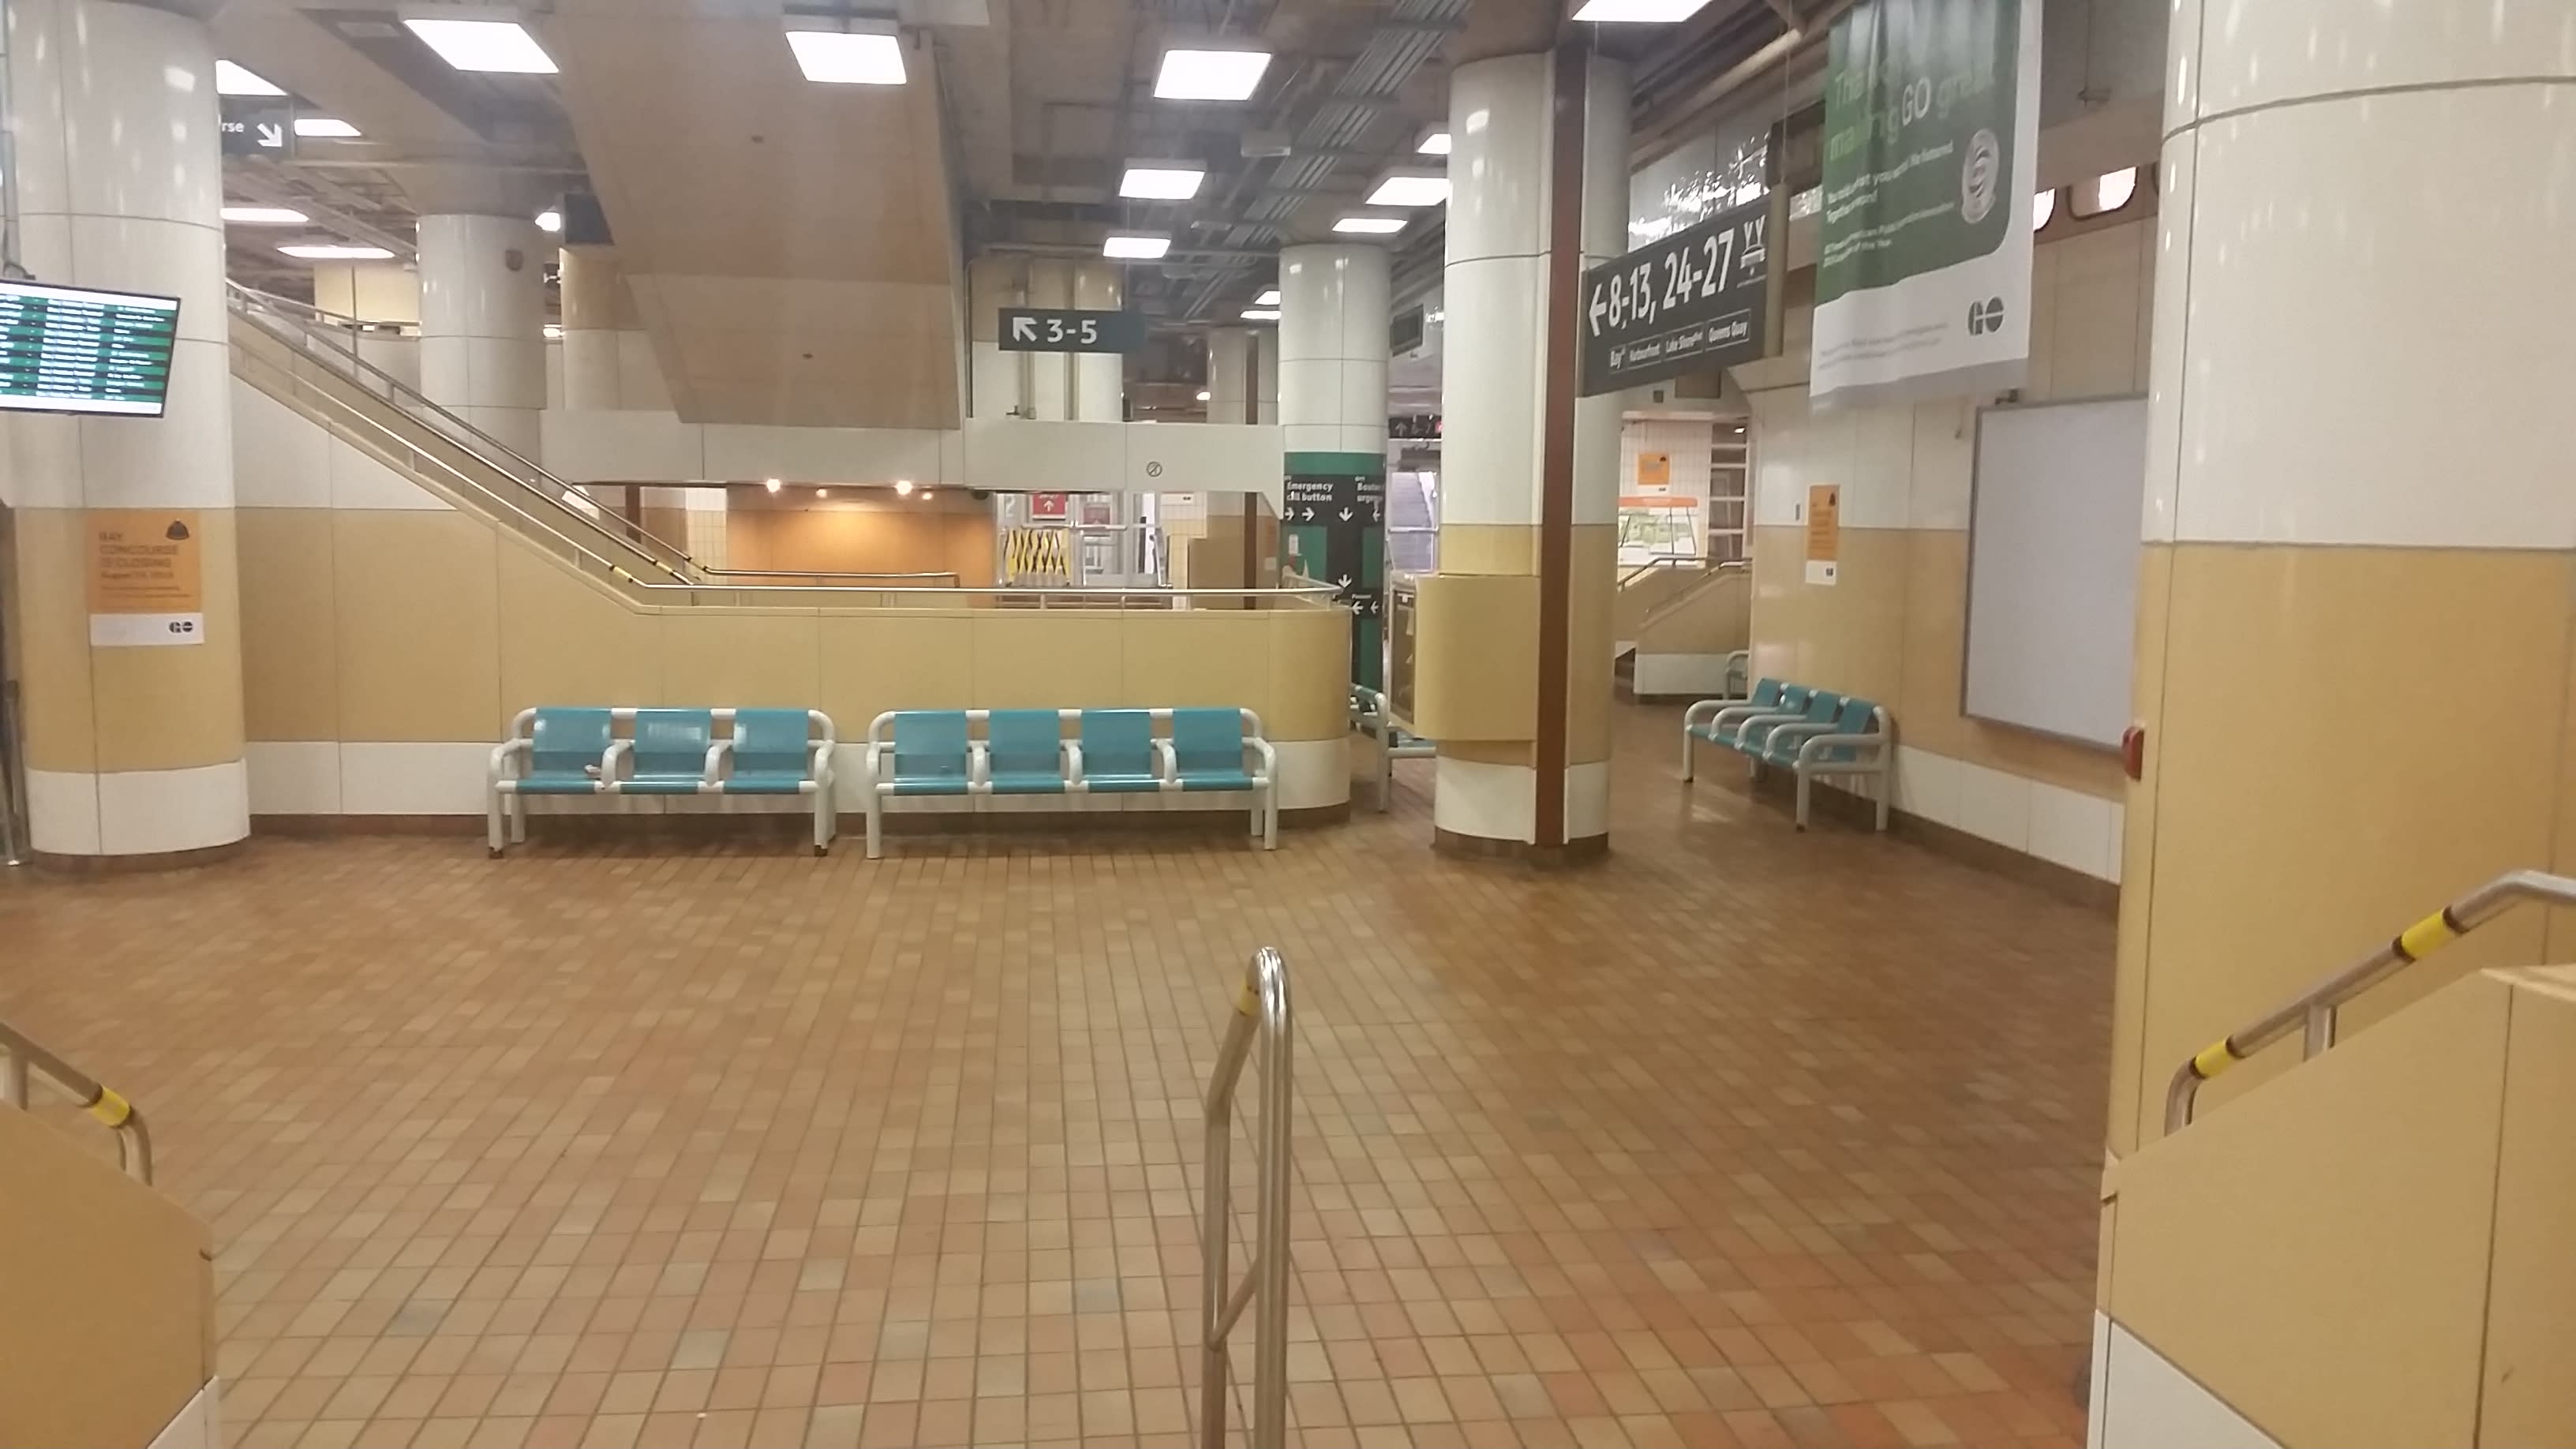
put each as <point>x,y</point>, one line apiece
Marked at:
<point>1693,300</point>
<point>1071,329</point>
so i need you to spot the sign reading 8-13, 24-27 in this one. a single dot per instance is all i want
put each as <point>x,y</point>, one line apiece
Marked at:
<point>1693,300</point>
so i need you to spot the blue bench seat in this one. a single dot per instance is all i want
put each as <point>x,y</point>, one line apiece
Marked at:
<point>555,750</point>
<point>1026,752</point>
<point>1812,733</point>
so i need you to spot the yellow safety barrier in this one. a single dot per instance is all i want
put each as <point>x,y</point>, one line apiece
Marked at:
<point>1043,553</point>
<point>111,1108</point>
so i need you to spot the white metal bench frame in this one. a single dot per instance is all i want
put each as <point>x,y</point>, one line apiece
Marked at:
<point>1265,778</point>
<point>1370,716</point>
<point>508,808</point>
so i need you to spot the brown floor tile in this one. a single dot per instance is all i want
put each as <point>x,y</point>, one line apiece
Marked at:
<point>612,1145</point>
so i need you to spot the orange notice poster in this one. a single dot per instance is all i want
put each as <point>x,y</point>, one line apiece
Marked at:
<point>1824,532</point>
<point>1654,472</point>
<point>146,577</point>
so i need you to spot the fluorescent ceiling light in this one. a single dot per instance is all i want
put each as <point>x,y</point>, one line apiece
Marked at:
<point>1410,188</point>
<point>325,128</point>
<point>2042,207</point>
<point>336,252</point>
<point>550,220</point>
<point>485,45</point>
<point>1260,314</point>
<point>1136,248</point>
<point>860,56</point>
<point>1210,75</point>
<point>233,80</point>
<point>1370,225</point>
<point>265,216</point>
<point>1638,12</point>
<point>903,487</point>
<point>1203,394</point>
<point>1267,299</point>
<point>1161,180</point>
<point>771,485</point>
<point>1435,143</point>
<point>2112,189</point>
<point>554,331</point>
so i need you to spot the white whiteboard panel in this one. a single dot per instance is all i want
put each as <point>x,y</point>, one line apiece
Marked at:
<point>2053,566</point>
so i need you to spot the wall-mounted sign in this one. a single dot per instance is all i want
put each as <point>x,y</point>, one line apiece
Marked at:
<point>81,350</point>
<point>1692,301</point>
<point>1335,525</point>
<point>1654,472</point>
<point>1047,505</point>
<point>1824,532</point>
<point>1071,329</point>
<point>1405,332</point>
<point>146,577</point>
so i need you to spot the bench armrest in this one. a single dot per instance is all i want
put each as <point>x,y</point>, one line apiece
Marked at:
<point>1170,768</point>
<point>612,761</point>
<point>502,754</point>
<point>1256,745</point>
<point>1710,708</point>
<point>1072,762</point>
<point>876,764</point>
<point>1750,718</point>
<point>1873,744</point>
<point>820,766</point>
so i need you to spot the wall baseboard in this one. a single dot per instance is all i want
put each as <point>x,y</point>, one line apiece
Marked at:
<point>1832,802</point>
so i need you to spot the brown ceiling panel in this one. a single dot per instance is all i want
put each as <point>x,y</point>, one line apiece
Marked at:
<point>761,217</point>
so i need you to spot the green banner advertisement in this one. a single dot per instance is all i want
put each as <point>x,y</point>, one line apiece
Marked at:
<point>1931,151</point>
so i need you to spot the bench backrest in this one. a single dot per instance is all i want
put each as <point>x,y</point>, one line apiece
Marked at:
<point>1766,693</point>
<point>1793,698</point>
<point>566,741</point>
<point>1857,717</point>
<point>1822,706</point>
<point>770,740</point>
<point>930,744</point>
<point>1024,741</point>
<point>1207,741</point>
<point>1118,741</point>
<point>673,741</point>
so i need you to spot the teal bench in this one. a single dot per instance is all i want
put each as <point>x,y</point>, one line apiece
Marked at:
<point>1812,733</point>
<point>556,750</point>
<point>1027,752</point>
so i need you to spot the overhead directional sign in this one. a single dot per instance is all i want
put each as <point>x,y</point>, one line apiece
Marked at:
<point>1691,301</point>
<point>258,130</point>
<point>1071,329</point>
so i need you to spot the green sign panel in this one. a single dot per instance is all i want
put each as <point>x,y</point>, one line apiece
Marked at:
<point>1931,141</point>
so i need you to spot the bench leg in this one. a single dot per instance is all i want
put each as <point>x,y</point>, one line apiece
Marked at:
<point>518,818</point>
<point>1886,788</point>
<point>876,832</point>
<point>1803,781</point>
<point>1689,763</point>
<point>493,831</point>
<point>822,820</point>
<point>1270,816</point>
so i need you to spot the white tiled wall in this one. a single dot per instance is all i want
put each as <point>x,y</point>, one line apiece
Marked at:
<point>1684,440</point>
<point>2067,827</point>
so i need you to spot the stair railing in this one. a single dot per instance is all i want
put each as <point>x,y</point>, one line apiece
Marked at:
<point>21,1058</point>
<point>1260,1010</point>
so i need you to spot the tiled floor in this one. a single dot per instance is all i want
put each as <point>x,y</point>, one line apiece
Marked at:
<point>1744,1137</point>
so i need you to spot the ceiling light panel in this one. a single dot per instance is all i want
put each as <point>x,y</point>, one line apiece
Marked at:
<point>1210,75</point>
<point>325,128</point>
<point>336,252</point>
<point>863,55</point>
<point>1161,180</point>
<point>1267,299</point>
<point>1370,225</point>
<point>1136,248</point>
<point>264,216</point>
<point>550,221</point>
<point>1260,314</point>
<point>1435,143</point>
<point>1638,12</point>
<point>1411,188</point>
<point>502,46</point>
<point>233,80</point>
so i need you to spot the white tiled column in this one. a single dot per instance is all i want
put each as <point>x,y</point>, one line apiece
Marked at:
<point>483,323</point>
<point>1099,378</point>
<point>1332,350</point>
<point>591,365</point>
<point>1494,395</point>
<point>132,749</point>
<point>1231,354</point>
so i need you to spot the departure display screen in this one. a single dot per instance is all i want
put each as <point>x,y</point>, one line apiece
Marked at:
<point>80,350</point>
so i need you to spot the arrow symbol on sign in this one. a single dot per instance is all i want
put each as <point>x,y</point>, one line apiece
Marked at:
<point>272,134</point>
<point>1346,515</point>
<point>1024,329</point>
<point>1344,581</point>
<point>1599,306</point>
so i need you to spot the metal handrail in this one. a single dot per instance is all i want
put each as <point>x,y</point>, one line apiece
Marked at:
<point>247,301</point>
<point>1260,1009</point>
<point>1670,561</point>
<point>1717,573</point>
<point>949,574</point>
<point>18,1053</point>
<point>2315,1008</point>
